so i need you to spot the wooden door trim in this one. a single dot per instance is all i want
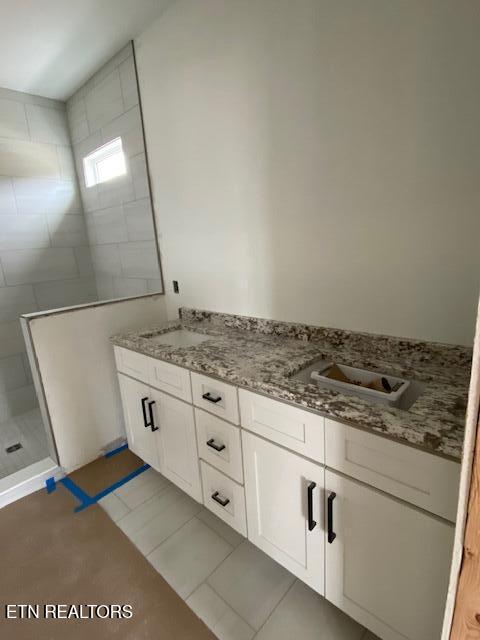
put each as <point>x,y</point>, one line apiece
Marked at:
<point>462,611</point>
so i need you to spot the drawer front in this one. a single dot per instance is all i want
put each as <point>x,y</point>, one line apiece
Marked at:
<point>170,378</point>
<point>293,428</point>
<point>132,363</point>
<point>425,480</point>
<point>215,396</point>
<point>219,444</point>
<point>224,497</point>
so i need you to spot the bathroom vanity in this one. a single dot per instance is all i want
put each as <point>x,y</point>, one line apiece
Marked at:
<point>356,499</point>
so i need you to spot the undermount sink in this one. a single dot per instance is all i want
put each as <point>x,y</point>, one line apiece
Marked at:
<point>179,338</point>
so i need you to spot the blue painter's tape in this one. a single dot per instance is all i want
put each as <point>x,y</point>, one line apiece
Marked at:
<point>51,484</point>
<point>121,482</point>
<point>114,452</point>
<point>86,500</point>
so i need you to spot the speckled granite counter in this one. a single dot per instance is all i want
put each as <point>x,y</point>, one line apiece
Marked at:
<point>262,355</point>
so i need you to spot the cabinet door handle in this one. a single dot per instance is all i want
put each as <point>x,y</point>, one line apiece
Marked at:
<point>150,413</point>
<point>331,535</point>
<point>217,447</point>
<point>208,396</point>
<point>144,412</point>
<point>216,496</point>
<point>311,522</point>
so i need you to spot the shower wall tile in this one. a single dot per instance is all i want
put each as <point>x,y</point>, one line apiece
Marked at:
<point>104,103</point>
<point>44,255</point>
<point>128,80</point>
<point>36,196</point>
<point>67,230</point>
<point>38,265</point>
<point>23,232</point>
<point>139,220</point>
<point>13,120</point>
<point>47,125</point>
<point>83,256</point>
<point>118,213</point>
<point>139,259</point>
<point>7,197</point>
<point>16,300</point>
<point>11,339</point>
<point>65,293</point>
<point>12,373</point>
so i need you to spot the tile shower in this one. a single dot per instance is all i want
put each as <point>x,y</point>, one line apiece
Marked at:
<point>60,243</point>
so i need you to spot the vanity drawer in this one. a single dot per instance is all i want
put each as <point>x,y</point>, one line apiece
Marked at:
<point>215,396</point>
<point>224,497</point>
<point>423,479</point>
<point>132,363</point>
<point>170,378</point>
<point>296,429</point>
<point>214,434</point>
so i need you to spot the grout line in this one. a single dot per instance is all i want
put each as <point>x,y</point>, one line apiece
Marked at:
<point>277,605</point>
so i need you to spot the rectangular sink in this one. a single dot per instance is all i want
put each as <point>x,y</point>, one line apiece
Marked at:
<point>179,338</point>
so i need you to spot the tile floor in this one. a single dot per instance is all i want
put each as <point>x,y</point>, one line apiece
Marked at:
<point>26,428</point>
<point>238,591</point>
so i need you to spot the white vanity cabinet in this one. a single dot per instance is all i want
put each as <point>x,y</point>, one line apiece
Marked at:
<point>142,437</point>
<point>387,563</point>
<point>363,520</point>
<point>177,446</point>
<point>284,497</point>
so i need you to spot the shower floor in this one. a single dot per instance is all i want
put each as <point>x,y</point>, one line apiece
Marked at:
<point>28,430</point>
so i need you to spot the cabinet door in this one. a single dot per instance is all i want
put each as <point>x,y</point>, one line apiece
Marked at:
<point>141,438</point>
<point>284,497</point>
<point>389,563</point>
<point>177,443</point>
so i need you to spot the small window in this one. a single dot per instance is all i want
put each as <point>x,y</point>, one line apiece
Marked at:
<point>104,163</point>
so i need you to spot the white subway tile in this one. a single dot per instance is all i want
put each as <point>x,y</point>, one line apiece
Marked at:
<point>13,122</point>
<point>11,338</point>
<point>139,220</point>
<point>128,78</point>
<point>109,225</point>
<point>16,300</point>
<point>12,373</point>
<point>105,102</point>
<point>83,257</point>
<point>127,287</point>
<point>7,197</point>
<point>36,196</point>
<point>139,260</point>
<point>65,293</point>
<point>106,261</point>
<point>23,232</point>
<point>38,265</point>
<point>77,120</point>
<point>138,169</point>
<point>67,230</point>
<point>47,125</point>
<point>29,159</point>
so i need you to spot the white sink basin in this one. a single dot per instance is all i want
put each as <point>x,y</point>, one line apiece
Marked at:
<point>180,338</point>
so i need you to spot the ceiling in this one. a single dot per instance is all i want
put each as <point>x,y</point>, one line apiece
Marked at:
<point>50,47</point>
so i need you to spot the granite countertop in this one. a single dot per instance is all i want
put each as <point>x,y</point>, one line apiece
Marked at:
<point>263,356</point>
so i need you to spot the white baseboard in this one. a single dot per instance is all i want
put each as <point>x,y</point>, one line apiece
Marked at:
<point>26,481</point>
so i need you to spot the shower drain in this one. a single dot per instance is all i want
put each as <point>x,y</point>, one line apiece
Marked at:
<point>13,447</point>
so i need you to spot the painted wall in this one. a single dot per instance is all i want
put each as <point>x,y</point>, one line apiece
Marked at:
<point>77,368</point>
<point>44,255</point>
<point>118,212</point>
<point>319,161</point>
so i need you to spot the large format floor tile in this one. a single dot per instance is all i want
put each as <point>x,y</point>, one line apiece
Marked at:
<point>304,615</point>
<point>251,583</point>
<point>173,509</point>
<point>189,556</point>
<point>222,528</point>
<point>141,488</point>
<point>114,507</point>
<point>218,616</point>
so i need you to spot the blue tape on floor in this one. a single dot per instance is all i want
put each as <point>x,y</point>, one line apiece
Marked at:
<point>115,451</point>
<point>51,484</point>
<point>86,500</point>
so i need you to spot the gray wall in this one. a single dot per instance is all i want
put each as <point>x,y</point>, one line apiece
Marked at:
<point>118,213</point>
<point>44,256</point>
